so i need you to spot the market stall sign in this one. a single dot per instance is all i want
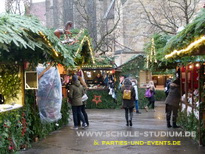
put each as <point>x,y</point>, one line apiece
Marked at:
<point>97,66</point>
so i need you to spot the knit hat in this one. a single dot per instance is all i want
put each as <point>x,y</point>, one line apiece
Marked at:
<point>177,81</point>
<point>127,82</point>
<point>74,77</point>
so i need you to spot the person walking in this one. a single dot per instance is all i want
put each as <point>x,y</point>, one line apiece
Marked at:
<point>128,97</point>
<point>75,94</point>
<point>134,84</point>
<point>83,83</point>
<point>172,103</point>
<point>150,94</point>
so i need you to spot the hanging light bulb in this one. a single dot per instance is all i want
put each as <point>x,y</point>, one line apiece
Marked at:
<point>197,65</point>
<point>190,66</point>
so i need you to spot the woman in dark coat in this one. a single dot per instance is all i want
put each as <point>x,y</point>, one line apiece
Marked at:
<point>128,104</point>
<point>172,103</point>
<point>75,94</point>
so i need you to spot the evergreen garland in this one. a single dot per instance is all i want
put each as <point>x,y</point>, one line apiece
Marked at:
<point>23,38</point>
<point>191,32</point>
<point>10,82</point>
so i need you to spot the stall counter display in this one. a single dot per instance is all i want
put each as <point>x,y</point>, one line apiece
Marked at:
<point>100,99</point>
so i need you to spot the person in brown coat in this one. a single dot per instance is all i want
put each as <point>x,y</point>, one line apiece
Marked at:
<point>172,103</point>
<point>128,102</point>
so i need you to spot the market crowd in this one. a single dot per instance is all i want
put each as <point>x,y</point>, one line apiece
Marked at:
<point>130,100</point>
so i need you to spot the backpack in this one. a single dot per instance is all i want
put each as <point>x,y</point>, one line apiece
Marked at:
<point>126,94</point>
<point>148,93</point>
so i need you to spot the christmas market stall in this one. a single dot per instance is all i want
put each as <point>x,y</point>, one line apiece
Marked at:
<point>188,49</point>
<point>100,79</point>
<point>162,71</point>
<point>80,45</point>
<point>30,105</point>
<point>96,76</point>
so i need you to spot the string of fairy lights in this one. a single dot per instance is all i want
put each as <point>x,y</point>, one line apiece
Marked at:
<point>151,57</point>
<point>186,50</point>
<point>81,43</point>
<point>97,66</point>
<point>48,43</point>
<point>89,46</point>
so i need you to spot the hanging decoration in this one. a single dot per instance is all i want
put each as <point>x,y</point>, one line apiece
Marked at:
<point>153,52</point>
<point>86,39</point>
<point>147,64</point>
<point>151,57</point>
<point>49,95</point>
<point>48,43</point>
<point>186,50</point>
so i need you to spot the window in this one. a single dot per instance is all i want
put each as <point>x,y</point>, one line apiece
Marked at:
<point>31,80</point>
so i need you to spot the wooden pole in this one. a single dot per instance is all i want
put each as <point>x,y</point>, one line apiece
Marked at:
<point>41,74</point>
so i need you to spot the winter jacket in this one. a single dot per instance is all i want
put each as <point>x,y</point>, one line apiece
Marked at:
<point>128,86</point>
<point>136,90</point>
<point>174,96</point>
<point>75,94</point>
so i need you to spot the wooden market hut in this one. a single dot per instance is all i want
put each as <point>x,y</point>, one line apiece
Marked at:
<point>188,49</point>
<point>101,95</point>
<point>81,48</point>
<point>91,71</point>
<point>134,67</point>
<point>160,69</point>
<point>24,41</point>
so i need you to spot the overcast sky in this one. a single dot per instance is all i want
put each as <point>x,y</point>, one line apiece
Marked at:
<point>35,1</point>
<point>2,4</point>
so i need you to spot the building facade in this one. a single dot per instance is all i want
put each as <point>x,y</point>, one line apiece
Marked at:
<point>122,40</point>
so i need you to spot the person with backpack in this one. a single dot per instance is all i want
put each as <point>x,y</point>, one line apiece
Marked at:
<point>134,84</point>
<point>128,97</point>
<point>149,94</point>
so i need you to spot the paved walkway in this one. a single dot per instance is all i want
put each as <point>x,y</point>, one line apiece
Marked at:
<point>137,139</point>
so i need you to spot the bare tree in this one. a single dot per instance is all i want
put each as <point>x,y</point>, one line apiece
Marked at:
<point>18,6</point>
<point>168,15</point>
<point>100,28</point>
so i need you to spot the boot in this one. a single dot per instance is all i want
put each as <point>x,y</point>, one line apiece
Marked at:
<point>175,125</point>
<point>127,123</point>
<point>146,108</point>
<point>169,125</point>
<point>130,122</point>
<point>138,112</point>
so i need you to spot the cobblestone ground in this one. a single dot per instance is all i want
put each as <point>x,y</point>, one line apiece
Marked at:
<point>117,138</point>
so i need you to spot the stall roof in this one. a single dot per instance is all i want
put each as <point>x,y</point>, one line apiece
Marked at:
<point>84,53</point>
<point>131,59</point>
<point>23,38</point>
<point>189,41</point>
